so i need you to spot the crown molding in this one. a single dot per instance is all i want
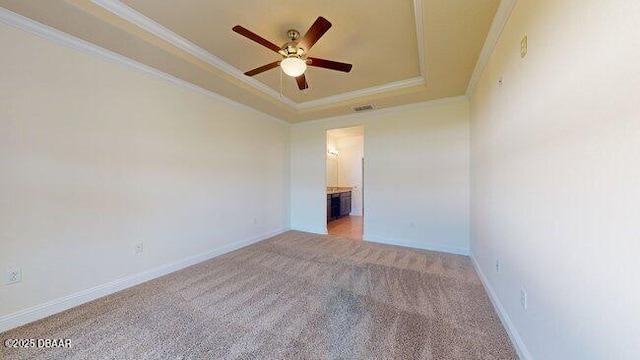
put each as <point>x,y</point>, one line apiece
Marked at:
<point>31,26</point>
<point>362,92</point>
<point>129,14</point>
<point>417,11</point>
<point>376,112</point>
<point>396,85</point>
<point>499,21</point>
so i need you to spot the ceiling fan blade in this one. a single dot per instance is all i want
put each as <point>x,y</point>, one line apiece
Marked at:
<point>315,32</point>
<point>262,68</point>
<point>255,37</point>
<point>302,82</point>
<point>329,64</point>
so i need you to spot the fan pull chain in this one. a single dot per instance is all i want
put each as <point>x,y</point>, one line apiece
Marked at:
<point>281,94</point>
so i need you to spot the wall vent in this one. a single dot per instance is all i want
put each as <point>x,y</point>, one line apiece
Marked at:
<point>364,108</point>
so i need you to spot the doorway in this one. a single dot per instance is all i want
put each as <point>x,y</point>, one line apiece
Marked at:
<point>344,182</point>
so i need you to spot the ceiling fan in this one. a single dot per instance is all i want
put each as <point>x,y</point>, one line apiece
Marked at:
<point>294,53</point>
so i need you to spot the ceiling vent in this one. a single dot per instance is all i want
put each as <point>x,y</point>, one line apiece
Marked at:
<point>364,108</point>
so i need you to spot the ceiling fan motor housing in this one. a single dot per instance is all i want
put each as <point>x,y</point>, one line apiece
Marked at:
<point>291,49</point>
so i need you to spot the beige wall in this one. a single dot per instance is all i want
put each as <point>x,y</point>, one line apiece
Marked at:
<point>95,157</point>
<point>416,175</point>
<point>556,194</point>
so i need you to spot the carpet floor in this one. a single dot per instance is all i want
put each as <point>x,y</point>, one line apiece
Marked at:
<point>294,296</point>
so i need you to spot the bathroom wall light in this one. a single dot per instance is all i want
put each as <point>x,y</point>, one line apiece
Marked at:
<point>332,152</point>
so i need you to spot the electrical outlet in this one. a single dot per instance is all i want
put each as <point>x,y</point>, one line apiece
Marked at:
<point>497,265</point>
<point>13,276</point>
<point>523,47</point>
<point>255,221</point>
<point>523,299</point>
<point>139,247</point>
<point>412,224</point>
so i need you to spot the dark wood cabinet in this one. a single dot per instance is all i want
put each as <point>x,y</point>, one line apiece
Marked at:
<point>338,205</point>
<point>345,203</point>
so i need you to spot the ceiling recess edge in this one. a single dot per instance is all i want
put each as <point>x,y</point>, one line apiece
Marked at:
<point>127,13</point>
<point>31,26</point>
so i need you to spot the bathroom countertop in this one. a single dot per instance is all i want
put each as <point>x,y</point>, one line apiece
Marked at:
<point>337,190</point>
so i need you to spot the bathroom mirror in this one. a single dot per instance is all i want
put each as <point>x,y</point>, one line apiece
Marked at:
<point>332,168</point>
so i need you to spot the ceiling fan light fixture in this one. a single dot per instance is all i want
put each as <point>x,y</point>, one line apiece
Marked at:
<point>294,53</point>
<point>293,66</point>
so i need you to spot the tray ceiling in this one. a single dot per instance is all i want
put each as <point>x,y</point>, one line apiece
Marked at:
<point>402,51</point>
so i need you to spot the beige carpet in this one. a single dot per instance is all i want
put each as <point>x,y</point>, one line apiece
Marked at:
<point>294,296</point>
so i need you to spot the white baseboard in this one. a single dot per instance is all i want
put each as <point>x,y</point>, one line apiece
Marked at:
<point>513,333</point>
<point>417,245</point>
<point>49,308</point>
<point>321,231</point>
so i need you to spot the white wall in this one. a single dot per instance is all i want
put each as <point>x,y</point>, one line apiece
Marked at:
<point>95,157</point>
<point>350,164</point>
<point>416,171</point>
<point>556,193</point>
